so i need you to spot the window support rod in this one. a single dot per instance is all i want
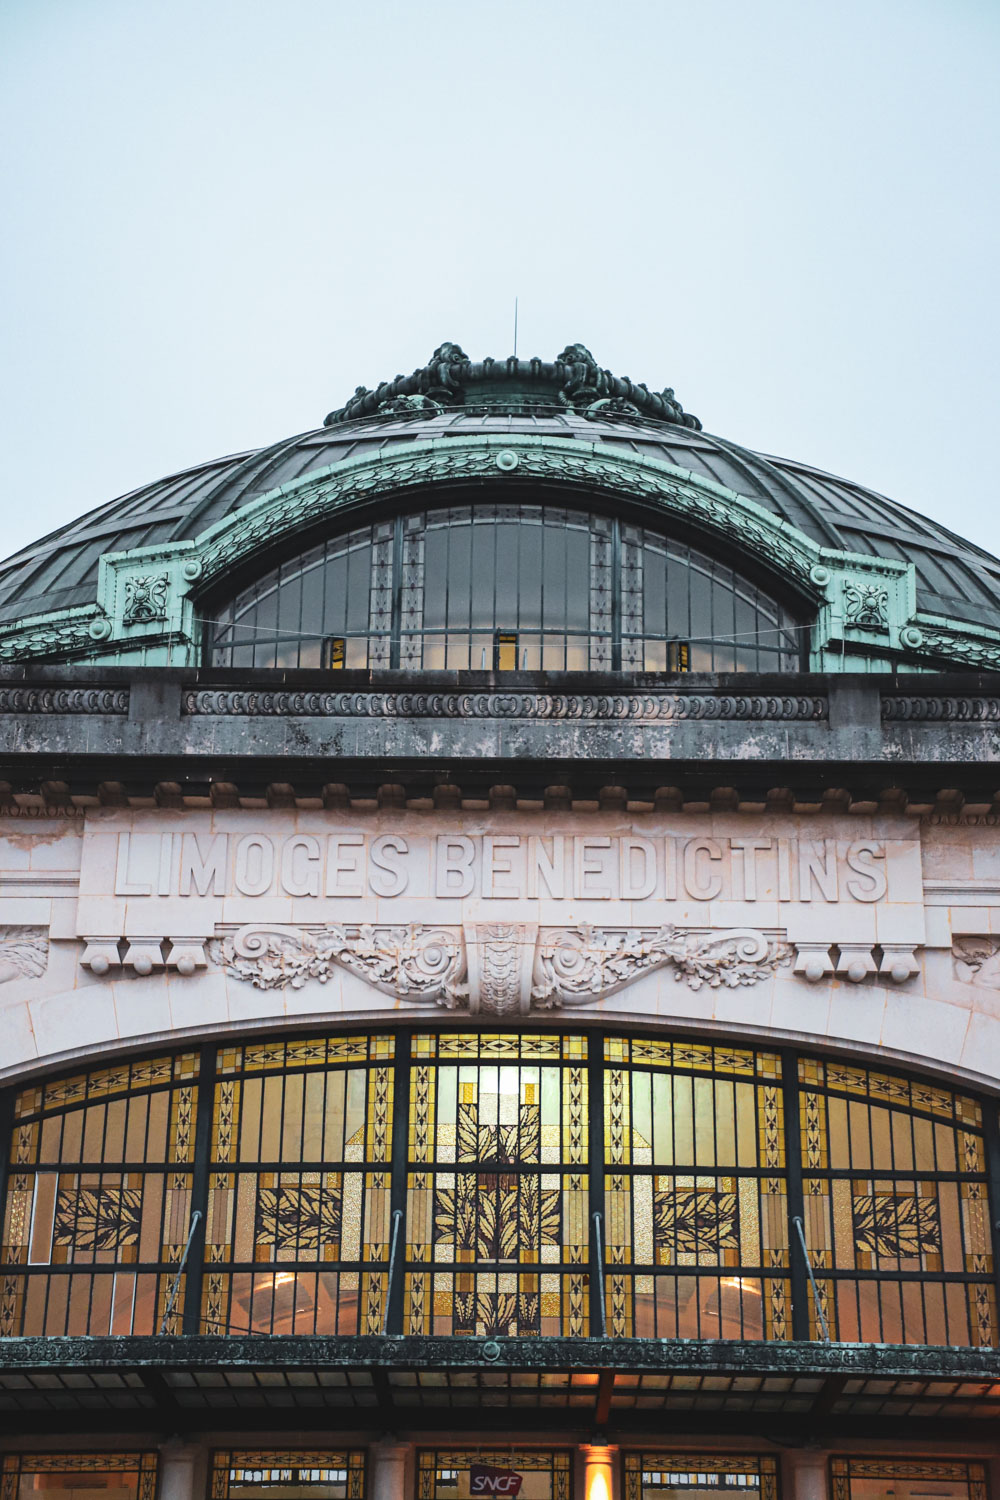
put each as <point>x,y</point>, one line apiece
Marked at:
<point>599,1254</point>
<point>195,1217</point>
<point>821,1318</point>
<point>397,1219</point>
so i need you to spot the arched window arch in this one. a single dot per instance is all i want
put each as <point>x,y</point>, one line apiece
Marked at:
<point>504,587</point>
<point>710,1151</point>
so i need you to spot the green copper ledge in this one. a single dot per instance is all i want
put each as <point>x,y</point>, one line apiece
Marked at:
<point>146,608</point>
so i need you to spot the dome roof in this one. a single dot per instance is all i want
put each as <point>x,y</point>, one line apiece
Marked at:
<point>452,397</point>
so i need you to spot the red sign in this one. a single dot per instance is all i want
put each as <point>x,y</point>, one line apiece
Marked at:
<point>485,1480</point>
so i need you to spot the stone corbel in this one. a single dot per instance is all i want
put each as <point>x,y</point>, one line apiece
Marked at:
<point>186,954</point>
<point>144,954</point>
<point>856,961</point>
<point>500,958</point>
<point>813,961</point>
<point>899,961</point>
<point>101,954</point>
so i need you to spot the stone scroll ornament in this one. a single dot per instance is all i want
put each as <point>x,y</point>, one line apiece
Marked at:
<point>484,968</point>
<point>577,965</point>
<point>977,961</point>
<point>411,963</point>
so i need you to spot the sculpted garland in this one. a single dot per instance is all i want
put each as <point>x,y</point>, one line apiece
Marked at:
<point>570,966</point>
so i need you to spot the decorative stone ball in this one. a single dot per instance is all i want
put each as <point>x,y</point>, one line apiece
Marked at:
<point>185,964</point>
<point>856,970</point>
<point>143,964</point>
<point>99,965</point>
<point>814,970</point>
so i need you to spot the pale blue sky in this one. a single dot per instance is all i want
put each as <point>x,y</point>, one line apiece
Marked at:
<point>220,216</point>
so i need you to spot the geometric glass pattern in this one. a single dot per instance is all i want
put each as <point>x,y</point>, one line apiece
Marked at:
<point>497,1213</point>
<point>99,1199</point>
<point>290,1144</point>
<point>298,1226</point>
<point>650,1476</point>
<point>872,1478</point>
<point>896,1207</point>
<point>446,1474</point>
<point>127,1476</point>
<point>499,587</point>
<point>695,1191</point>
<point>293,1473</point>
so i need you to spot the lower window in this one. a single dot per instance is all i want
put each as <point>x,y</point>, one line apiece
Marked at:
<point>494,1473</point>
<point>114,1476</point>
<point>288,1473</point>
<point>649,1476</point>
<point>922,1479</point>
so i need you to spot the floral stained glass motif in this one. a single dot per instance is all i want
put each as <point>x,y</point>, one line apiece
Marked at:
<point>497,1226</point>
<point>896,1207</point>
<point>695,1192</point>
<point>98,1202</point>
<point>297,1230</point>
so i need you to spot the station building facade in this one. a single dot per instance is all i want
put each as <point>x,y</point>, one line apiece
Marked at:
<point>500,969</point>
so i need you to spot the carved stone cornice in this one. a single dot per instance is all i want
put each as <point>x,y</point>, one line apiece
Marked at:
<point>506,705</point>
<point>916,709</point>
<point>64,700</point>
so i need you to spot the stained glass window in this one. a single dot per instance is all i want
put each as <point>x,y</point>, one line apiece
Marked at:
<point>289,1145</point>
<point>676,1476</point>
<point>896,1207</point>
<point>505,587</point>
<point>98,1199</point>
<point>298,1218</point>
<point>697,1218</point>
<point>113,1476</point>
<point>497,1192</point>
<point>909,1479</point>
<point>447,1474</point>
<point>288,1474</point>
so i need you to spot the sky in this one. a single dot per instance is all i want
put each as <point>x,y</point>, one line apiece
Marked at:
<point>220,216</point>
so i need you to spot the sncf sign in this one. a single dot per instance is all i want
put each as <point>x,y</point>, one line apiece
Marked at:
<point>485,1480</point>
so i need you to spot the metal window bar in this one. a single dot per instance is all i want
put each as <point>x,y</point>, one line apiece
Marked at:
<point>820,1316</point>
<point>168,1309</point>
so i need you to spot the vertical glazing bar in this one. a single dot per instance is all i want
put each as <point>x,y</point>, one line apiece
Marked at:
<point>191,1321</point>
<point>7,1098</point>
<point>991,1144</point>
<point>616,596</point>
<point>595,1146</point>
<point>798,1265</point>
<point>397,1198</point>
<point>396,625</point>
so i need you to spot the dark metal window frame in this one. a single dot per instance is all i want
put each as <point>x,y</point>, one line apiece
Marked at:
<point>744,570</point>
<point>595,1065</point>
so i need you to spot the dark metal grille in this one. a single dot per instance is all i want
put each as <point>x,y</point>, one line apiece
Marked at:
<point>896,1207</point>
<point>99,1199</point>
<point>299,1180</point>
<point>505,587</point>
<point>533,1184</point>
<point>497,1190</point>
<point>696,1194</point>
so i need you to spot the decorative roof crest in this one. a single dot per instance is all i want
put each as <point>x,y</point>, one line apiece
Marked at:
<point>572,382</point>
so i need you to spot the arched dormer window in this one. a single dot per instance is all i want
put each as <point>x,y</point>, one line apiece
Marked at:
<point>506,587</point>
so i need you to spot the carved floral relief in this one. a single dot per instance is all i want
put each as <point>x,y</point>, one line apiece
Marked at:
<point>568,966</point>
